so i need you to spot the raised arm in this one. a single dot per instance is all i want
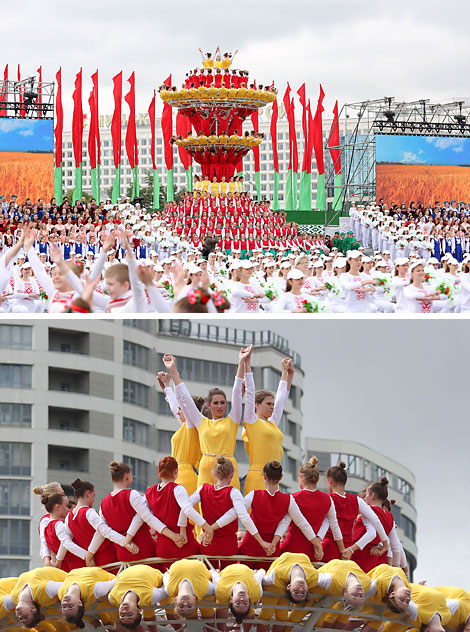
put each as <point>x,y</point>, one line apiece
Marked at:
<point>250,409</point>
<point>237,396</point>
<point>192,415</point>
<point>282,392</point>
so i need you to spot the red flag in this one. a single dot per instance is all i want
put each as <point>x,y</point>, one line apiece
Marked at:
<point>40,92</point>
<point>116,122</point>
<point>292,132</point>
<point>59,118</point>
<point>131,134</point>
<point>77,120</point>
<point>21,97</point>
<point>287,106</point>
<point>302,99</point>
<point>273,130</point>
<point>4,94</point>
<point>152,129</point>
<point>183,126</point>
<point>318,134</point>
<point>254,120</point>
<point>333,141</point>
<point>167,129</point>
<point>310,138</point>
<point>93,132</point>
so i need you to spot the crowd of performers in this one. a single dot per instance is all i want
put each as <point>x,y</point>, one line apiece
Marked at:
<point>431,232</point>
<point>287,535</point>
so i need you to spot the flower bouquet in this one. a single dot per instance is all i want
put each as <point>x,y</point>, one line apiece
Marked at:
<point>168,287</point>
<point>333,287</point>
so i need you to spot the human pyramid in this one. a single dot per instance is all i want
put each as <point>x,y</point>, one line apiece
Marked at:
<point>157,569</point>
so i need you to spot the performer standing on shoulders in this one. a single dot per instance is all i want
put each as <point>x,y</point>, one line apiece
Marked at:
<point>217,435</point>
<point>261,434</point>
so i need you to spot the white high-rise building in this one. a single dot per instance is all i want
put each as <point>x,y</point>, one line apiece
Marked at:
<point>76,395</point>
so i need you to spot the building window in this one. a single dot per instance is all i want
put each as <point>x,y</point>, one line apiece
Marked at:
<point>135,431</point>
<point>13,568</point>
<point>409,528</point>
<point>404,488</point>
<point>353,463</point>
<point>15,414</point>
<point>194,370</point>
<point>135,393</point>
<point>140,472</point>
<point>15,375</point>
<point>14,497</point>
<point>164,441</point>
<point>16,337</point>
<point>136,355</point>
<point>292,467</point>
<point>163,407</point>
<point>15,458</point>
<point>14,537</point>
<point>377,472</point>
<point>292,430</point>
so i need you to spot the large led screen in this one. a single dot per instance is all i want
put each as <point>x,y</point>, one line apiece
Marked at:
<point>422,169</point>
<point>27,158</point>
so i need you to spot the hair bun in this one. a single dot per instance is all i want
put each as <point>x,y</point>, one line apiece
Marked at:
<point>38,490</point>
<point>342,465</point>
<point>76,483</point>
<point>220,459</point>
<point>44,499</point>
<point>392,501</point>
<point>313,461</point>
<point>114,466</point>
<point>275,465</point>
<point>384,481</point>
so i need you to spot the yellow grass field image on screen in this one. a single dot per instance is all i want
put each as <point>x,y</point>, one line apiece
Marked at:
<point>26,158</point>
<point>422,169</point>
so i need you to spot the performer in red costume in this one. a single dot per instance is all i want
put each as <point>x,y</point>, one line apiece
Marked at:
<point>166,500</point>
<point>348,507</point>
<point>318,509</point>
<point>125,511</point>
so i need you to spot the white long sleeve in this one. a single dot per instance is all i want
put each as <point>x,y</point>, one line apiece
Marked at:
<point>250,413</point>
<point>5,274</point>
<point>40,273</point>
<point>103,588</point>
<point>236,409</point>
<point>239,505</point>
<point>172,402</point>
<point>183,501</point>
<point>395,543</point>
<point>135,525</point>
<point>372,524</point>
<point>158,304</point>
<point>102,531</point>
<point>330,522</point>
<point>299,519</point>
<point>279,403</point>
<point>139,503</point>
<point>98,266</point>
<point>44,551</point>
<point>187,404</point>
<point>66,542</point>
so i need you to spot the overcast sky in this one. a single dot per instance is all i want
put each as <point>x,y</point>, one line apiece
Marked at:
<point>401,388</point>
<point>363,49</point>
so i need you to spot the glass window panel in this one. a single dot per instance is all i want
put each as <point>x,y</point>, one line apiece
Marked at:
<point>14,537</point>
<point>135,431</point>
<point>136,393</point>
<point>15,458</point>
<point>15,375</point>
<point>15,414</point>
<point>136,355</point>
<point>16,337</point>
<point>140,472</point>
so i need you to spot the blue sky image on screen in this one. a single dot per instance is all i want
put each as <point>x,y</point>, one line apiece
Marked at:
<point>422,150</point>
<point>23,135</point>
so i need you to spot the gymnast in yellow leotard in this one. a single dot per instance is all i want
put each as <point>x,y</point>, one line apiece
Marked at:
<point>218,433</point>
<point>261,433</point>
<point>185,441</point>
